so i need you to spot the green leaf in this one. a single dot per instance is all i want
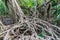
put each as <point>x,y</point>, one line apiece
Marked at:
<point>58,17</point>
<point>40,2</point>
<point>57,7</point>
<point>54,2</point>
<point>42,34</point>
<point>31,3</point>
<point>57,11</point>
<point>3,9</point>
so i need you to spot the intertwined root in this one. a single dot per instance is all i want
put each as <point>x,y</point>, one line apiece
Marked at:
<point>29,28</point>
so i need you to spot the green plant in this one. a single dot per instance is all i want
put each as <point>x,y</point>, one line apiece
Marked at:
<point>3,9</point>
<point>30,3</point>
<point>40,2</point>
<point>54,2</point>
<point>57,13</point>
<point>42,34</point>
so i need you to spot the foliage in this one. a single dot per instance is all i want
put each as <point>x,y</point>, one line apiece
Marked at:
<point>31,3</point>
<point>42,34</point>
<point>40,2</point>
<point>3,9</point>
<point>57,12</point>
<point>54,2</point>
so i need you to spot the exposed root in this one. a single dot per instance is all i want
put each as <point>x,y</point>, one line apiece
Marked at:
<point>29,28</point>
